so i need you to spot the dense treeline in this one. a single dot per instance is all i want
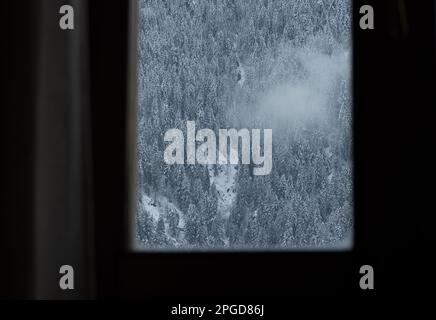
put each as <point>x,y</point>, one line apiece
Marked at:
<point>246,64</point>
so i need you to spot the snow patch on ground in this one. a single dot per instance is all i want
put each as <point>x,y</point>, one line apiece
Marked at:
<point>151,207</point>
<point>328,152</point>
<point>225,183</point>
<point>241,72</point>
<point>160,208</point>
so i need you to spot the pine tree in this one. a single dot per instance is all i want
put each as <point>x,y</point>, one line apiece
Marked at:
<point>192,225</point>
<point>160,238</point>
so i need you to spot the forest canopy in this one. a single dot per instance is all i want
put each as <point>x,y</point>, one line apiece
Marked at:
<point>276,64</point>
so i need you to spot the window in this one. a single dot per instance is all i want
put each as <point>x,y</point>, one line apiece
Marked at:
<point>244,125</point>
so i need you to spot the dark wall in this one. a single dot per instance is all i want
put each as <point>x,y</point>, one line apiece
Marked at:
<point>17,136</point>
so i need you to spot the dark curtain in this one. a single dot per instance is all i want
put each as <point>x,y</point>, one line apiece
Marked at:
<point>47,218</point>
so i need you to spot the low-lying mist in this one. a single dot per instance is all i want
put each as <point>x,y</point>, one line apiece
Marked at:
<point>303,87</point>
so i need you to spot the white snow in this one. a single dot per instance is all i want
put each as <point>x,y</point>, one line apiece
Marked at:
<point>150,206</point>
<point>224,182</point>
<point>241,71</point>
<point>159,208</point>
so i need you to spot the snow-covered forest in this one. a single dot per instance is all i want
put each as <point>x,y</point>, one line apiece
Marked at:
<point>277,64</point>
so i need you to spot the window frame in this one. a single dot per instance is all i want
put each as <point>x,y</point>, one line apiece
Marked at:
<point>123,272</point>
